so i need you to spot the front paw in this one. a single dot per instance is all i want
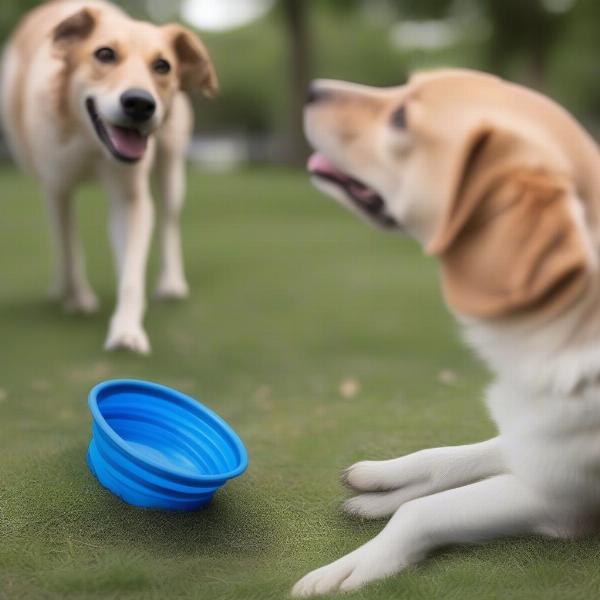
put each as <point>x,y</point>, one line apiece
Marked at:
<point>379,505</point>
<point>75,301</point>
<point>384,486</point>
<point>368,476</point>
<point>369,563</point>
<point>385,475</point>
<point>127,336</point>
<point>82,302</point>
<point>172,288</point>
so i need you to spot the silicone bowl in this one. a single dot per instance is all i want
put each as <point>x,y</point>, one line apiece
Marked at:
<point>158,448</point>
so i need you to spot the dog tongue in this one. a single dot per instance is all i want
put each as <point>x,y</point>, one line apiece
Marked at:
<point>318,163</point>
<point>321,165</point>
<point>128,142</point>
<point>364,193</point>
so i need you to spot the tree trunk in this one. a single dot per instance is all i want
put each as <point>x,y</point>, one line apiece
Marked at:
<point>295,15</point>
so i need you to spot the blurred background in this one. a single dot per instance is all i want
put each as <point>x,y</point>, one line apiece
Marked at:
<point>267,50</point>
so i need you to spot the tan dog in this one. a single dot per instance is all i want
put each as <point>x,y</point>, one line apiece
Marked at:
<point>502,186</point>
<point>88,91</point>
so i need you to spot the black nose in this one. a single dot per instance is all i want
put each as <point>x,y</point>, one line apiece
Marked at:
<point>138,104</point>
<point>315,93</point>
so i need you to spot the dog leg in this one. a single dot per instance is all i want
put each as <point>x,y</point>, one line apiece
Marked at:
<point>391,483</point>
<point>70,284</point>
<point>172,283</point>
<point>131,222</point>
<point>173,139</point>
<point>499,506</point>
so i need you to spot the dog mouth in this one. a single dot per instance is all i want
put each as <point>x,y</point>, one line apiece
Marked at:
<point>126,144</point>
<point>365,199</point>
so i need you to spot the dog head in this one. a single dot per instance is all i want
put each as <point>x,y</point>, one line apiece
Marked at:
<point>473,167</point>
<point>121,75</point>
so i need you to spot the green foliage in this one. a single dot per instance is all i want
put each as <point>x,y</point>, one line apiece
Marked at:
<point>553,51</point>
<point>574,66</point>
<point>346,46</point>
<point>422,9</point>
<point>10,13</point>
<point>514,23</point>
<point>250,62</point>
<point>557,52</point>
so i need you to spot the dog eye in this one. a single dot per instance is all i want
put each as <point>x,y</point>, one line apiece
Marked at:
<point>106,55</point>
<point>399,118</point>
<point>161,66</point>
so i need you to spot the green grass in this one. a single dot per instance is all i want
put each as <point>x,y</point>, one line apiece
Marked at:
<point>291,296</point>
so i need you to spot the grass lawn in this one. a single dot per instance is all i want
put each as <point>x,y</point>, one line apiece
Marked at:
<point>291,296</point>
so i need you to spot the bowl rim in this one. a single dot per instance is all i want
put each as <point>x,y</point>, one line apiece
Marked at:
<point>150,386</point>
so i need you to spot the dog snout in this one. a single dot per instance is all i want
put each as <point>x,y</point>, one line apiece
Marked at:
<point>139,105</point>
<point>344,92</point>
<point>316,93</point>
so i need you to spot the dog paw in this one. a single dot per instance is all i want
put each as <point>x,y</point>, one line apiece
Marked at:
<point>369,563</point>
<point>378,505</point>
<point>360,477</point>
<point>128,337</point>
<point>82,302</point>
<point>75,301</point>
<point>172,289</point>
<point>367,476</point>
<point>385,475</point>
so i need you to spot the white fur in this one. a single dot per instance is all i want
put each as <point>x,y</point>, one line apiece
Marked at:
<point>541,474</point>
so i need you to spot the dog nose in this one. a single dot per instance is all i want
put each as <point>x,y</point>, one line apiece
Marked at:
<point>138,104</point>
<point>315,93</point>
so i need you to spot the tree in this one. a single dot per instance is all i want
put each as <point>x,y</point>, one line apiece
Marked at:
<point>295,18</point>
<point>525,30</point>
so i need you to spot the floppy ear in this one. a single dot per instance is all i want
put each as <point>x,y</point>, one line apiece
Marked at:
<point>196,70</point>
<point>508,241</point>
<point>75,28</point>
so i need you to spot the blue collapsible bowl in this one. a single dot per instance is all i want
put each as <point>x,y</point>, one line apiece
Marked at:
<point>158,448</point>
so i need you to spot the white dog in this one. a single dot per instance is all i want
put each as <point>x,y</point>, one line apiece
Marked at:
<point>503,187</point>
<point>88,91</point>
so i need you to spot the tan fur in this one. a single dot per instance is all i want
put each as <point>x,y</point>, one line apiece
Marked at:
<point>486,176</point>
<point>51,73</point>
<point>502,186</point>
<point>66,36</point>
<point>519,250</point>
<point>196,71</point>
<point>507,242</point>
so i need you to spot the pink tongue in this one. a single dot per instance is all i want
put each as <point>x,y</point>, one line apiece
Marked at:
<point>128,142</point>
<point>364,193</point>
<point>318,163</point>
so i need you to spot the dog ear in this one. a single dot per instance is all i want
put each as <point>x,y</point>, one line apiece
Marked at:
<point>196,69</point>
<point>75,28</point>
<point>508,241</point>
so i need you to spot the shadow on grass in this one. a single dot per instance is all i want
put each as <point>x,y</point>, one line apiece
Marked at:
<point>36,308</point>
<point>57,500</point>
